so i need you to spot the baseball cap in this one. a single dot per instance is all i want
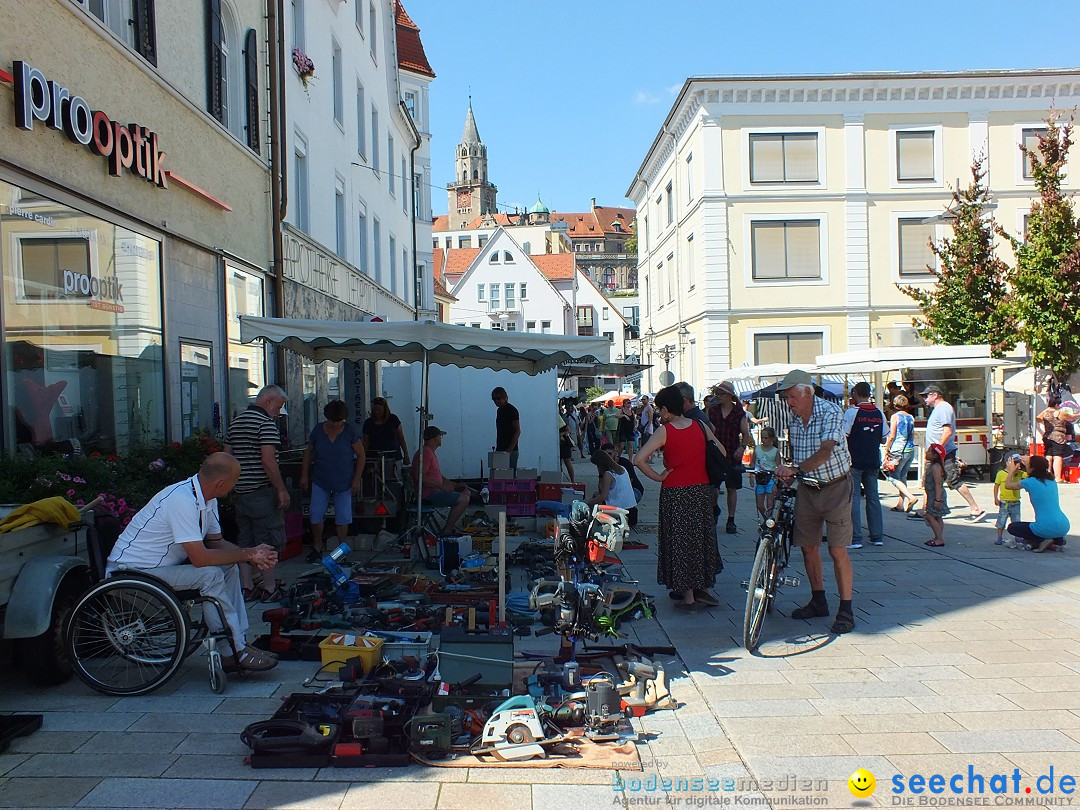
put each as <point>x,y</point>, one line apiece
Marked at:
<point>430,432</point>
<point>1016,457</point>
<point>930,389</point>
<point>795,377</point>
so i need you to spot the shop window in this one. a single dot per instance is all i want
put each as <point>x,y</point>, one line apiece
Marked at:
<point>309,386</point>
<point>247,361</point>
<point>196,388</point>
<point>251,89</point>
<point>83,329</point>
<point>790,347</point>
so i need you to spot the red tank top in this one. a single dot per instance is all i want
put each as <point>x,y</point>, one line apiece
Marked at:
<point>684,455</point>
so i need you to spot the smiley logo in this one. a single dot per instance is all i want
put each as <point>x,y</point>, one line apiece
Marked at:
<point>861,783</point>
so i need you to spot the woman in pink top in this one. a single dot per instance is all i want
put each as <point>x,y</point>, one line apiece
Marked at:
<point>688,556</point>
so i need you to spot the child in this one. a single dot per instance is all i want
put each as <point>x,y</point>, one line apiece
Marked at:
<point>766,457</point>
<point>566,450</point>
<point>1007,500</point>
<point>616,488</point>
<point>934,485</point>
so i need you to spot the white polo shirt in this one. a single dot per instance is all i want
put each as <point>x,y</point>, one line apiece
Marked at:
<point>154,539</point>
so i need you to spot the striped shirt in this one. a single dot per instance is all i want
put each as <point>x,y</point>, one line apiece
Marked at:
<point>826,424</point>
<point>248,432</point>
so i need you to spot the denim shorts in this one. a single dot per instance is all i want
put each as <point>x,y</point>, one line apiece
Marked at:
<point>440,499</point>
<point>765,489</point>
<point>342,505</point>
<point>1008,512</point>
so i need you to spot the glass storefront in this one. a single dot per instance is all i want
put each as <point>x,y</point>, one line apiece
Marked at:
<point>247,361</point>
<point>82,329</point>
<point>196,388</point>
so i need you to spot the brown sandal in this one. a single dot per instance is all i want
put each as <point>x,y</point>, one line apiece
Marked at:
<point>249,659</point>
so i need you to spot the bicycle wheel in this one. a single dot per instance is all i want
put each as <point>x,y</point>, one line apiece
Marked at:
<point>759,592</point>
<point>127,637</point>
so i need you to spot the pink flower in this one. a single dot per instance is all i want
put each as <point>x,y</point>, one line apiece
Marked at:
<point>70,492</point>
<point>80,480</point>
<point>65,477</point>
<point>80,502</point>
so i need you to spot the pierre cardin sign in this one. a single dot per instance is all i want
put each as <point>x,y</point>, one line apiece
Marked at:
<point>124,146</point>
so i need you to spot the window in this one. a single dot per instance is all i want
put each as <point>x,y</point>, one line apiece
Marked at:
<point>644,232</point>
<point>914,240</point>
<point>298,24</point>
<point>510,294</point>
<point>376,249</point>
<point>497,327</point>
<point>373,29</point>
<point>689,181</point>
<point>251,84</point>
<point>301,183</point>
<point>610,336</point>
<point>197,385</point>
<point>245,295</point>
<point>374,139</point>
<point>690,279</point>
<point>474,325</point>
<point>527,247</point>
<point>670,204</point>
<point>217,68</point>
<point>661,282</point>
<point>586,323</point>
<point>481,240</point>
<point>410,105</point>
<point>631,315</point>
<point>915,156</point>
<point>464,241</point>
<point>418,197</point>
<point>390,161</point>
<point>1030,138</point>
<point>530,326</point>
<point>793,347</point>
<point>784,157</point>
<point>361,242</point>
<point>339,92</point>
<point>508,257</point>
<point>405,274</point>
<point>604,313</point>
<point>785,249</point>
<point>131,20</point>
<point>339,217</point>
<point>360,24</point>
<point>671,283</point>
<point>545,327</point>
<point>480,290</point>
<point>494,257</point>
<point>523,291</point>
<point>494,296</point>
<point>393,265</point>
<point>361,108</point>
<point>404,187</point>
<point>511,326</point>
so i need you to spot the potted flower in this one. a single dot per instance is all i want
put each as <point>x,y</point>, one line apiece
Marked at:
<point>304,66</point>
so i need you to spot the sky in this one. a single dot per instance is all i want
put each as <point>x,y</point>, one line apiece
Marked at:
<point>569,94</point>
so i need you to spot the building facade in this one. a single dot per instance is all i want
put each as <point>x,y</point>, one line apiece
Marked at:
<point>777,215</point>
<point>134,224</point>
<point>357,225</point>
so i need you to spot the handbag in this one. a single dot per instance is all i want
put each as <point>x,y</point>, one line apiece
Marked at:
<point>892,460</point>
<point>716,463</point>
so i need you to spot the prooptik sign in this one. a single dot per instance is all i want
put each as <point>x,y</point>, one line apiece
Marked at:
<point>131,146</point>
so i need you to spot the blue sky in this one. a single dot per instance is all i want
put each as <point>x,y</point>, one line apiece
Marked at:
<point>569,94</point>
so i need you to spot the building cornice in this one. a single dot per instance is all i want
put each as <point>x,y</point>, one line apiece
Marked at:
<point>851,94</point>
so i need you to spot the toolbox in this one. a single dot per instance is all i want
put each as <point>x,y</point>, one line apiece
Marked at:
<point>464,653</point>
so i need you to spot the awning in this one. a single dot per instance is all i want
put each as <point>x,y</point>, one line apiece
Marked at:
<point>443,344</point>
<point>576,369</point>
<point>893,358</point>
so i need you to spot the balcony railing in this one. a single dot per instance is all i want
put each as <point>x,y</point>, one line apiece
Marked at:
<point>500,306</point>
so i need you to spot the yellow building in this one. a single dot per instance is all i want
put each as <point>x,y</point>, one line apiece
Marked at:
<point>776,215</point>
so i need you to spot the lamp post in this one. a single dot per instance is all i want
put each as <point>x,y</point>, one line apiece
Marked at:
<point>648,341</point>
<point>666,353</point>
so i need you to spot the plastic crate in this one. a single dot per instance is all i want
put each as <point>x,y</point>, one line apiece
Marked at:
<point>404,645</point>
<point>554,492</point>
<point>337,648</point>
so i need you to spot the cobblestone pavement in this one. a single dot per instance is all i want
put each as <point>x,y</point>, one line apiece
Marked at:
<point>965,661</point>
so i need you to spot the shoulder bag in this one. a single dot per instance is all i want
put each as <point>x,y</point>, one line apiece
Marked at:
<point>716,463</point>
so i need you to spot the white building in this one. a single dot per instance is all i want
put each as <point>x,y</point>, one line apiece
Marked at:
<point>776,215</point>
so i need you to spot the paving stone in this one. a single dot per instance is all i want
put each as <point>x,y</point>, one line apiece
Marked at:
<point>724,692</point>
<point>571,797</point>
<point>879,689</point>
<point>249,705</point>
<point>883,744</point>
<point>809,724</point>
<point>219,724</point>
<point>977,686</point>
<point>675,765</point>
<point>964,703</point>
<point>237,688</point>
<point>948,764</point>
<point>49,742</point>
<point>162,704</point>
<point>901,723</point>
<point>812,677</point>
<point>963,742</point>
<point>852,661</point>
<point>211,794</point>
<point>1060,719</point>
<point>9,762</point>
<point>198,743</point>
<point>1064,678</point>
<point>1046,700</point>
<point>89,721</point>
<point>813,745</point>
<point>57,791</point>
<point>410,773</point>
<point>863,705</point>
<point>217,766</point>
<point>769,767</point>
<point>48,701</point>
<point>468,796</point>
<point>90,765</point>
<point>329,795</point>
<point>122,742</point>
<point>541,776</point>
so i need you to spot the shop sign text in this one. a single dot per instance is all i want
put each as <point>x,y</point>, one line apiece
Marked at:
<point>132,147</point>
<point>306,264</point>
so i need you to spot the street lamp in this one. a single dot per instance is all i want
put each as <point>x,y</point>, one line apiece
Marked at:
<point>666,353</point>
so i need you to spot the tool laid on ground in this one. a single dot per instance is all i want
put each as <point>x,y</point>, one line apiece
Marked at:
<point>604,717</point>
<point>515,732</point>
<point>645,687</point>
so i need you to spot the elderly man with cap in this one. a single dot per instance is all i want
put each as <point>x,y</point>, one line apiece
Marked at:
<point>819,450</point>
<point>438,490</point>
<point>732,429</point>
<point>941,429</point>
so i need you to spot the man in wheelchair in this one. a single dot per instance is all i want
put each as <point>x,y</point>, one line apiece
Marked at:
<point>180,526</point>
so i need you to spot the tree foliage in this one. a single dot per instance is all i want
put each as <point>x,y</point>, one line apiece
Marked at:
<point>1045,283</point>
<point>968,302</point>
<point>593,392</point>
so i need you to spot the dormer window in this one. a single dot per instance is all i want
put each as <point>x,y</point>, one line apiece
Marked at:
<point>494,258</point>
<point>508,257</point>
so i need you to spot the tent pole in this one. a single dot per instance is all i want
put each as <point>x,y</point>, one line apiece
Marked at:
<point>420,440</point>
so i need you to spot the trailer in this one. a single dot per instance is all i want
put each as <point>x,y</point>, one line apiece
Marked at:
<point>964,374</point>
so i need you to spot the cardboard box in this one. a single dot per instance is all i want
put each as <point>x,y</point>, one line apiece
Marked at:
<point>526,474</point>
<point>498,461</point>
<point>502,475</point>
<point>551,476</point>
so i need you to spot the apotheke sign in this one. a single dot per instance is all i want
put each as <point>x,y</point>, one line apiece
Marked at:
<point>132,147</point>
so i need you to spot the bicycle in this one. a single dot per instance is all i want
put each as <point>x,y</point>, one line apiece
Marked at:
<point>770,561</point>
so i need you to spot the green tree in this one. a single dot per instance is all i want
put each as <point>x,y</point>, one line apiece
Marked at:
<point>968,301</point>
<point>1045,283</point>
<point>630,245</point>
<point>593,392</point>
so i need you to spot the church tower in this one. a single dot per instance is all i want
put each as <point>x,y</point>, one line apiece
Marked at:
<point>470,195</point>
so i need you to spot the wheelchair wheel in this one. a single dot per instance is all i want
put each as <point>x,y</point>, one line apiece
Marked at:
<point>127,637</point>
<point>218,681</point>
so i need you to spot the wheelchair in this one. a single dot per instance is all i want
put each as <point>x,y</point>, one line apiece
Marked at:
<point>130,632</point>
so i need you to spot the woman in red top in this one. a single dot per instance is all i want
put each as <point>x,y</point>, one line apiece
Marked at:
<point>688,557</point>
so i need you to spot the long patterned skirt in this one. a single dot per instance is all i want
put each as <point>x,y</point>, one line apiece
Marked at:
<point>688,556</point>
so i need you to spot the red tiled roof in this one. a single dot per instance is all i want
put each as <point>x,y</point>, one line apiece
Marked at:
<point>453,262</point>
<point>556,266</point>
<point>410,49</point>
<point>441,223</point>
<point>596,222</point>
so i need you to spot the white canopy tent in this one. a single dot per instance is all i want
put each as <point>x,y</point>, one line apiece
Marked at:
<point>427,342</point>
<point>893,358</point>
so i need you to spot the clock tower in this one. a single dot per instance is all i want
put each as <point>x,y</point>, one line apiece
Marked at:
<point>470,194</point>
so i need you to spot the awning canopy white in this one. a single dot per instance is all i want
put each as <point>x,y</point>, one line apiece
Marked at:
<point>442,344</point>
<point>893,358</point>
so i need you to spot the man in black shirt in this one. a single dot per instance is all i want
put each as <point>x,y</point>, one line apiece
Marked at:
<point>507,426</point>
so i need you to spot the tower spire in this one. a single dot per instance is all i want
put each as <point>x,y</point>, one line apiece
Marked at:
<point>470,135</point>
